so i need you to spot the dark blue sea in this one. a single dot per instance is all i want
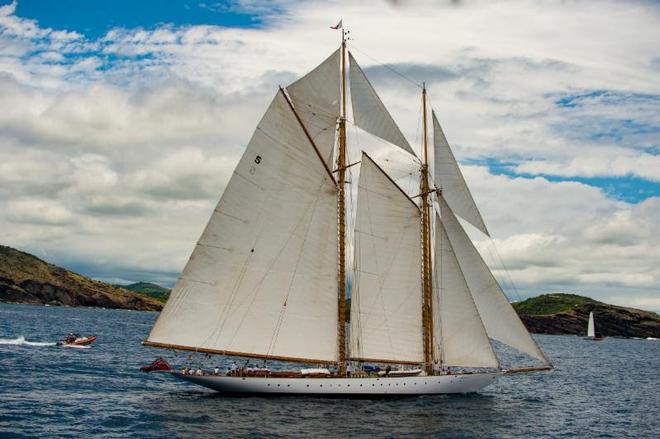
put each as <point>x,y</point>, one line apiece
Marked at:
<point>599,389</point>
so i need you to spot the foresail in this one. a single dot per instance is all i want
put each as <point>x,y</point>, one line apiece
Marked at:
<point>500,319</point>
<point>369,112</point>
<point>316,98</point>
<point>262,280</point>
<point>459,334</point>
<point>448,177</point>
<point>386,321</point>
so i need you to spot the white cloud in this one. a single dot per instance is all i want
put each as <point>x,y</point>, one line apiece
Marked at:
<point>113,152</point>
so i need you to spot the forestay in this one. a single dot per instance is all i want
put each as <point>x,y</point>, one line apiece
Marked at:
<point>448,177</point>
<point>386,300</point>
<point>262,279</point>
<point>369,112</point>
<point>460,338</point>
<point>316,98</point>
<point>500,319</point>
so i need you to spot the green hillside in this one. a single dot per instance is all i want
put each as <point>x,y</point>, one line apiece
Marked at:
<point>148,289</point>
<point>24,278</point>
<point>552,304</point>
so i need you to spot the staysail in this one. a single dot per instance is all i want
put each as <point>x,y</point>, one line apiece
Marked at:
<point>500,319</point>
<point>369,112</point>
<point>262,280</point>
<point>448,177</point>
<point>386,303</point>
<point>460,338</point>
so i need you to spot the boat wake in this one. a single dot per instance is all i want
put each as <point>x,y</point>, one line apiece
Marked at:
<point>21,341</point>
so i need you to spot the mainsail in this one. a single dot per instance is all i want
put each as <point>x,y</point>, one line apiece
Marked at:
<point>500,319</point>
<point>460,337</point>
<point>262,280</point>
<point>386,302</point>
<point>369,112</point>
<point>591,328</point>
<point>448,177</point>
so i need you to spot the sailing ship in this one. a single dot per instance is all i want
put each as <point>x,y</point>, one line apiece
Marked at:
<point>591,329</point>
<point>268,277</point>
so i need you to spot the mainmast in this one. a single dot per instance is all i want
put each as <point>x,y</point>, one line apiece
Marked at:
<point>341,216</point>
<point>427,281</point>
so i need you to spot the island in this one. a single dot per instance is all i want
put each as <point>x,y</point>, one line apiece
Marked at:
<point>24,278</point>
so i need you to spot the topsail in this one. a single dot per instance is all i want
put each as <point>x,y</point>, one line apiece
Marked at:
<point>370,113</point>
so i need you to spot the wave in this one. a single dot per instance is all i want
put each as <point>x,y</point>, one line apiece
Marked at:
<point>21,341</point>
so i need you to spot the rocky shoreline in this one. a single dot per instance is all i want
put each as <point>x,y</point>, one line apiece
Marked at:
<point>24,278</point>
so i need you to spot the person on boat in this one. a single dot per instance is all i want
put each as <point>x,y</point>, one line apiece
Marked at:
<point>233,369</point>
<point>199,372</point>
<point>216,370</point>
<point>348,370</point>
<point>70,338</point>
<point>184,371</point>
<point>388,369</point>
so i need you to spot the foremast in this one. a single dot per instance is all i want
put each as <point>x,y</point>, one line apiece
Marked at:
<point>341,219</point>
<point>427,267</point>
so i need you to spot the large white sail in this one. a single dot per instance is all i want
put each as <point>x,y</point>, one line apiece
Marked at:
<point>460,338</point>
<point>448,177</point>
<point>386,321</point>
<point>369,112</point>
<point>262,280</point>
<point>316,98</point>
<point>500,319</point>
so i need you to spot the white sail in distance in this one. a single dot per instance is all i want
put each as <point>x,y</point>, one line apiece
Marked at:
<point>449,178</point>
<point>386,304</point>
<point>500,319</point>
<point>591,328</point>
<point>460,337</point>
<point>262,280</point>
<point>369,112</point>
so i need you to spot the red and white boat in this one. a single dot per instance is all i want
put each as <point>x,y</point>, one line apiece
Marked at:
<point>76,340</point>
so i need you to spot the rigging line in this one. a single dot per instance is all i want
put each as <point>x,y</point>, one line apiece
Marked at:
<point>506,271</point>
<point>388,66</point>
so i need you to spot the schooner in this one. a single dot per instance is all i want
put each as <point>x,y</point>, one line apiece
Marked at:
<point>268,276</point>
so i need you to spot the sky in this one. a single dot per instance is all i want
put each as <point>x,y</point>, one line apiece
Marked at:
<point>121,122</point>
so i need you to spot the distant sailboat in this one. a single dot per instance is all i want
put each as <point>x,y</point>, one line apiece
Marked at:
<point>591,329</point>
<point>267,279</point>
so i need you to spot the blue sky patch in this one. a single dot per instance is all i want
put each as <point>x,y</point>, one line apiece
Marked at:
<point>630,189</point>
<point>94,18</point>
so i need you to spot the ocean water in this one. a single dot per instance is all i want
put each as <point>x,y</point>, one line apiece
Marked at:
<point>599,389</point>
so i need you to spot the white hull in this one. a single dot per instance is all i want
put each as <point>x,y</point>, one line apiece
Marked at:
<point>392,386</point>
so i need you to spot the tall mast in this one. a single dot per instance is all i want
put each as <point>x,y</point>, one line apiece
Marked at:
<point>341,216</point>
<point>427,282</point>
